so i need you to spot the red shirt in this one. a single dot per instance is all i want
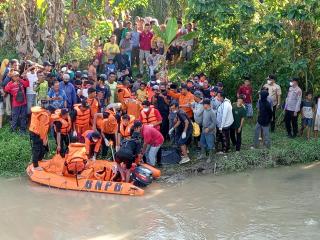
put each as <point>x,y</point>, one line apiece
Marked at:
<point>13,88</point>
<point>247,92</point>
<point>145,40</point>
<point>151,136</point>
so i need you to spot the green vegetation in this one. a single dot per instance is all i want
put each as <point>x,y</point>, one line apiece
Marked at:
<point>15,155</point>
<point>240,38</point>
<point>283,152</point>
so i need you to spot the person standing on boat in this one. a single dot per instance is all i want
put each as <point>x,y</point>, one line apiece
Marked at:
<point>39,127</point>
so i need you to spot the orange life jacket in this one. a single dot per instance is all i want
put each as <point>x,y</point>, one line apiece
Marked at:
<point>94,106</point>
<point>40,122</point>
<point>123,93</point>
<point>133,107</point>
<point>66,125</point>
<point>151,118</point>
<point>125,132</point>
<point>76,158</point>
<point>108,125</point>
<point>82,118</point>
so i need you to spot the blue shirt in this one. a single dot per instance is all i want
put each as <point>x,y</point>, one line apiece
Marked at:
<point>135,38</point>
<point>70,92</point>
<point>58,104</point>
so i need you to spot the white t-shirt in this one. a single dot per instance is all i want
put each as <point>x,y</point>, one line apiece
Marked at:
<point>318,107</point>
<point>33,79</point>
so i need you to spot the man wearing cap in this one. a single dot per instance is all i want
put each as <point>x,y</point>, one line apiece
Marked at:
<point>69,90</point>
<point>150,116</point>
<point>275,94</point>
<point>62,127</point>
<point>292,107</point>
<point>185,99</point>
<point>16,88</point>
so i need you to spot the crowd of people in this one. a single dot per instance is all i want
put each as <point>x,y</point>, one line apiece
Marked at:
<point>106,108</point>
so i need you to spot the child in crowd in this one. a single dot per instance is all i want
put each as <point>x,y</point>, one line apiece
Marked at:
<point>142,93</point>
<point>307,111</point>
<point>110,67</point>
<point>317,118</point>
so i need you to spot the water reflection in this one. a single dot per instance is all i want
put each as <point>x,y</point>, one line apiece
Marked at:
<point>262,204</point>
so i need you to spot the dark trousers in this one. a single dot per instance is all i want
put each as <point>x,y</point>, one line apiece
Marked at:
<point>236,138</point>
<point>38,150</point>
<point>164,128</point>
<point>19,115</point>
<point>223,137</point>
<point>64,143</point>
<point>291,122</point>
<point>105,149</point>
<point>273,120</point>
<point>135,56</point>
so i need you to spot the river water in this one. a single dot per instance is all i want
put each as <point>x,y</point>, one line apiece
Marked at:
<point>281,203</point>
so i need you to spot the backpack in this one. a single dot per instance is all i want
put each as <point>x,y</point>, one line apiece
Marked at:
<point>20,95</point>
<point>196,129</point>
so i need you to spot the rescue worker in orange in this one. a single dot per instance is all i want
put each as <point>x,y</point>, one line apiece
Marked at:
<point>125,127</point>
<point>81,119</point>
<point>150,115</point>
<point>92,140</point>
<point>39,127</point>
<point>133,107</point>
<point>93,103</point>
<point>124,92</point>
<point>62,129</point>
<point>106,123</point>
<point>185,99</point>
<point>75,160</point>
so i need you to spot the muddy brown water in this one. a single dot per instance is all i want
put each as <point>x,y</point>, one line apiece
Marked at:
<point>281,203</point>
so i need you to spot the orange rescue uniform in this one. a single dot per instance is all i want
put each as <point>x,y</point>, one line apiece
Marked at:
<point>87,135</point>
<point>133,107</point>
<point>94,107</point>
<point>82,121</point>
<point>108,125</point>
<point>125,132</point>
<point>183,101</point>
<point>40,122</point>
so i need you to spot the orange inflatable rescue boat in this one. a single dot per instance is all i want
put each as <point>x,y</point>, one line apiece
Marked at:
<point>95,178</point>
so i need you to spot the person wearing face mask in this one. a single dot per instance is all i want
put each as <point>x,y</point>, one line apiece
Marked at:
<point>92,140</point>
<point>275,94</point>
<point>185,99</point>
<point>69,90</point>
<point>181,131</point>
<point>150,116</point>
<point>292,107</point>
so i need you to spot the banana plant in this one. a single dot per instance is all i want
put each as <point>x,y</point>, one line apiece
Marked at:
<point>169,35</point>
